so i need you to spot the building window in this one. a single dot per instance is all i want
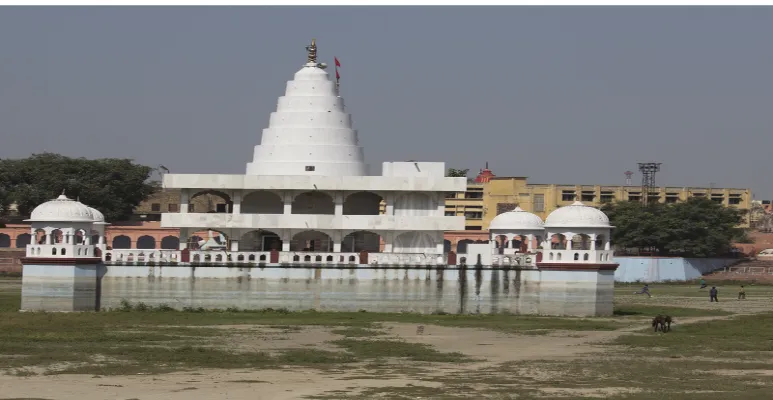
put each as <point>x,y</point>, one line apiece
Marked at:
<point>588,196</point>
<point>473,195</point>
<point>450,195</point>
<point>221,208</point>
<point>699,195</point>
<point>450,213</point>
<point>607,197</point>
<point>736,199</point>
<point>671,199</point>
<point>634,196</point>
<point>473,215</point>
<point>310,168</point>
<point>568,195</point>
<point>172,207</point>
<point>155,207</point>
<point>539,203</point>
<point>473,228</point>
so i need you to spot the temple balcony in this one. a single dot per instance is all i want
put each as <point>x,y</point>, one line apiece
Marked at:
<point>312,221</point>
<point>576,256</point>
<point>141,257</point>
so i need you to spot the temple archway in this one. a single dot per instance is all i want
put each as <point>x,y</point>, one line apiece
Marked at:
<point>170,243</point>
<point>311,241</point>
<point>461,247</point>
<point>209,201</point>
<point>260,240</point>
<point>362,203</point>
<point>414,204</point>
<point>358,241</point>
<point>146,242</point>
<point>414,242</point>
<point>581,242</point>
<point>212,238</point>
<point>23,240</point>
<point>5,240</point>
<point>446,246</point>
<point>262,202</point>
<point>558,242</point>
<point>122,242</point>
<point>313,203</point>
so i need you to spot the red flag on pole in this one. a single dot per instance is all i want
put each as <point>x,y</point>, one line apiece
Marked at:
<point>338,76</point>
<point>338,64</point>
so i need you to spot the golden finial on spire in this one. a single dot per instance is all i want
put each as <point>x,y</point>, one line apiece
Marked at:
<point>312,50</point>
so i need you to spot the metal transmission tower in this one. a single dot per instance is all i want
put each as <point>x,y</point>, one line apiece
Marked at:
<point>628,175</point>
<point>648,171</point>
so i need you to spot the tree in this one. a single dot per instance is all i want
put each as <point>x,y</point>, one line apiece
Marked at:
<point>111,185</point>
<point>697,227</point>
<point>457,173</point>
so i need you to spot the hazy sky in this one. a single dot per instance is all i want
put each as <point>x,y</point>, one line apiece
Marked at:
<point>559,94</point>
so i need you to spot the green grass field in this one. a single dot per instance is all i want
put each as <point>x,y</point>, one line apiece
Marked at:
<point>723,350</point>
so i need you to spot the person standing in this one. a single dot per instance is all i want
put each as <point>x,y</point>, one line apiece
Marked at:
<point>713,294</point>
<point>703,284</point>
<point>742,293</point>
<point>644,290</point>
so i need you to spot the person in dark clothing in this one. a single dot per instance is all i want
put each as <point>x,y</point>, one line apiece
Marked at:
<point>713,294</point>
<point>703,284</point>
<point>644,290</point>
<point>742,293</point>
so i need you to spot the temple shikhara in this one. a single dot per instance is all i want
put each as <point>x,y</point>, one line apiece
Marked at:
<point>307,226</point>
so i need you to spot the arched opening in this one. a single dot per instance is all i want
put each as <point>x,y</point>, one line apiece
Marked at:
<point>414,204</point>
<point>558,242</point>
<point>260,240</point>
<point>262,202</point>
<point>208,239</point>
<point>446,246</point>
<point>170,243</point>
<point>358,241</point>
<point>95,237</point>
<point>210,201</point>
<point>414,242</point>
<point>146,242</point>
<point>40,236</point>
<point>122,242</point>
<point>23,240</point>
<point>362,203</point>
<point>461,247</point>
<point>585,257</point>
<point>5,240</point>
<point>581,242</point>
<point>313,203</point>
<point>600,245</point>
<point>501,243</point>
<point>79,237</point>
<point>311,241</point>
<point>57,237</point>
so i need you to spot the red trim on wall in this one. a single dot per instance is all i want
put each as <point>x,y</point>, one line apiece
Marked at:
<point>61,261</point>
<point>577,267</point>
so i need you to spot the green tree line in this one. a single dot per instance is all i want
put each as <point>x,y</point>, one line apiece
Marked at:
<point>698,227</point>
<point>113,186</point>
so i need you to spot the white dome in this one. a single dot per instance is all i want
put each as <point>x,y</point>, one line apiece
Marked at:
<point>517,220</point>
<point>577,215</point>
<point>62,209</point>
<point>98,216</point>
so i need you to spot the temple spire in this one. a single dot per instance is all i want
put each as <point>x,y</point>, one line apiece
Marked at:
<point>312,50</point>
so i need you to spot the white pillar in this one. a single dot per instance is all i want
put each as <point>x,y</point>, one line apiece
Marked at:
<point>388,241</point>
<point>234,245</point>
<point>529,244</point>
<point>183,238</point>
<point>593,242</point>
<point>607,245</point>
<point>439,247</point>
<point>441,204</point>
<point>338,199</point>
<point>184,200</point>
<point>237,202</point>
<point>286,235</point>
<point>288,205</point>
<point>389,208</point>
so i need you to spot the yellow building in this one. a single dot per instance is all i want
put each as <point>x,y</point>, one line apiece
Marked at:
<point>484,200</point>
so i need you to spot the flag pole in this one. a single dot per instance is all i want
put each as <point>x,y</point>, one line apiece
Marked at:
<point>338,77</point>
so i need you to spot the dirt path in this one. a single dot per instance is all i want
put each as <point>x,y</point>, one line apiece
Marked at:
<point>293,383</point>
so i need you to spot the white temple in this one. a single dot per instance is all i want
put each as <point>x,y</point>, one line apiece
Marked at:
<point>307,188</point>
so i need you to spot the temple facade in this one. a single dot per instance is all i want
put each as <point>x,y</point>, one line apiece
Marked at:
<point>307,189</point>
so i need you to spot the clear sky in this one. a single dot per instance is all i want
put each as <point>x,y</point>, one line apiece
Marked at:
<point>558,94</point>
